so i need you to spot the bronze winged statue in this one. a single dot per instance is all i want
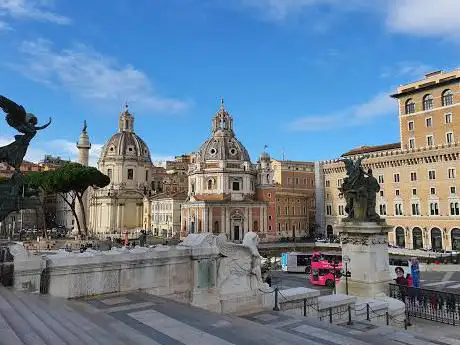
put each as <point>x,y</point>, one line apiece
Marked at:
<point>26,123</point>
<point>359,189</point>
<point>13,155</point>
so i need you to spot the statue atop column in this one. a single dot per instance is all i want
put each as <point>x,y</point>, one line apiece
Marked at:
<point>13,154</point>
<point>360,190</point>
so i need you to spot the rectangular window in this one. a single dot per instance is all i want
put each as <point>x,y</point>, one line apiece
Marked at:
<point>414,191</point>
<point>383,209</point>
<point>434,209</point>
<point>130,174</point>
<point>432,175</point>
<point>339,182</point>
<point>329,210</point>
<point>454,209</point>
<point>415,209</point>
<point>410,125</point>
<point>453,190</point>
<point>412,143</point>
<point>398,210</point>
<point>381,193</point>
<point>396,177</point>
<point>448,117</point>
<point>341,210</point>
<point>413,176</point>
<point>397,192</point>
<point>380,178</point>
<point>328,183</point>
<point>451,172</point>
<point>287,211</point>
<point>109,174</point>
<point>146,176</point>
<point>429,122</point>
<point>450,137</point>
<point>235,185</point>
<point>433,191</point>
<point>429,140</point>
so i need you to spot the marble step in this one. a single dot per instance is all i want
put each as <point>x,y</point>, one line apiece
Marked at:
<point>55,322</point>
<point>36,322</point>
<point>8,335</point>
<point>79,322</point>
<point>18,324</point>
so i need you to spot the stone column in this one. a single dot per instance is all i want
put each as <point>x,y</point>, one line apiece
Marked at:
<point>366,244</point>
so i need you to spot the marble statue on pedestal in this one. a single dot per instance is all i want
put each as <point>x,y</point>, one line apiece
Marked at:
<point>239,268</point>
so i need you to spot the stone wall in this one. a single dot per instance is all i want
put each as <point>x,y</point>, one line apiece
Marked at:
<point>166,271</point>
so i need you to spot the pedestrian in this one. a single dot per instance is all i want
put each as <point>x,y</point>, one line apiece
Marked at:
<point>268,280</point>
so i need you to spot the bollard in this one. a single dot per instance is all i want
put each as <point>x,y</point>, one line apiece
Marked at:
<point>330,315</point>
<point>276,307</point>
<point>388,318</point>
<point>304,307</point>
<point>349,316</point>
<point>368,317</point>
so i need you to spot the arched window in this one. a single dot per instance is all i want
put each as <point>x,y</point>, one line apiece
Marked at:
<point>417,239</point>
<point>428,103</point>
<point>210,184</point>
<point>255,226</point>
<point>436,239</point>
<point>400,237</point>
<point>455,237</point>
<point>447,98</point>
<point>410,106</point>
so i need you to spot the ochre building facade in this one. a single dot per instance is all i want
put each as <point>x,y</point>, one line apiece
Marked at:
<point>420,189</point>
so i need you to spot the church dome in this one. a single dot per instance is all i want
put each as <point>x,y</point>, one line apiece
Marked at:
<point>223,145</point>
<point>125,143</point>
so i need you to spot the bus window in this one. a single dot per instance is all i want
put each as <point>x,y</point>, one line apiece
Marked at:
<point>303,260</point>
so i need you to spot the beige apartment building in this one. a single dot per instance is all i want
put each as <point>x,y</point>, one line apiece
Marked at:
<point>419,194</point>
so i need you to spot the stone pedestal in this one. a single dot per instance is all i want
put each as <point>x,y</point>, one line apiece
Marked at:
<point>366,244</point>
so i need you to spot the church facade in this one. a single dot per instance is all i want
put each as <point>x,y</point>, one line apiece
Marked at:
<point>223,184</point>
<point>125,158</point>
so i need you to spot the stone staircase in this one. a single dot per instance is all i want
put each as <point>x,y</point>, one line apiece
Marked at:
<point>140,319</point>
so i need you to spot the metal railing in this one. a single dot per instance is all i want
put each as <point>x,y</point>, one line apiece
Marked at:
<point>348,313</point>
<point>433,305</point>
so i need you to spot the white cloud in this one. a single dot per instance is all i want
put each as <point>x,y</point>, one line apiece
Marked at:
<point>425,17</point>
<point>39,10</point>
<point>406,69</point>
<point>91,76</point>
<point>361,114</point>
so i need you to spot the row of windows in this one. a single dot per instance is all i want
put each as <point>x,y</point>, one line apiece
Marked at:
<point>451,173</point>
<point>295,211</point>
<point>454,209</point>
<point>429,122</point>
<point>297,180</point>
<point>447,98</point>
<point>430,140</point>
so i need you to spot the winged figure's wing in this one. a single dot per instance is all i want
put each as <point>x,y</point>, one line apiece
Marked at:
<point>16,113</point>
<point>233,250</point>
<point>348,164</point>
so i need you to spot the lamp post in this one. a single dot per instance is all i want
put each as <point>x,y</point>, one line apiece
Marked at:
<point>346,259</point>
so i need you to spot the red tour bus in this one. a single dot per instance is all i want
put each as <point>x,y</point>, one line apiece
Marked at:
<point>322,270</point>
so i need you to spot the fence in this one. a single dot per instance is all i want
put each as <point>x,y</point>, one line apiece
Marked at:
<point>433,305</point>
<point>340,313</point>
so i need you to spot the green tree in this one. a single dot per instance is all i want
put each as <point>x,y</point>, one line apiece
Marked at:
<point>70,182</point>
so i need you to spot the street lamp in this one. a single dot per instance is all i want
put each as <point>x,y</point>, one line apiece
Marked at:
<point>346,259</point>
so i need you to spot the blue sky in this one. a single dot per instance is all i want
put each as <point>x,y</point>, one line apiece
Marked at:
<point>307,77</point>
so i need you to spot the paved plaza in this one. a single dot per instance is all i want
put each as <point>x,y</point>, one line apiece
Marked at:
<point>140,319</point>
